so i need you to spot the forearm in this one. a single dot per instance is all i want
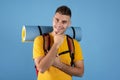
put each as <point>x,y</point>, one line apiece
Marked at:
<point>48,60</point>
<point>73,71</point>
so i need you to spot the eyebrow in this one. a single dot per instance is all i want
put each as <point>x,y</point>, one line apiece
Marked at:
<point>62,20</point>
<point>56,18</point>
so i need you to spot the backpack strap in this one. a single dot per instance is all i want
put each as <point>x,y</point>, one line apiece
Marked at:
<point>71,48</point>
<point>39,28</point>
<point>46,43</point>
<point>36,70</point>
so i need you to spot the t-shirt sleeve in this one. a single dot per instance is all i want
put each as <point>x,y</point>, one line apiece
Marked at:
<point>38,47</point>
<point>78,51</point>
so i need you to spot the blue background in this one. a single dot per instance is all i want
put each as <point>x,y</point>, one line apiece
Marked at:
<point>100,23</point>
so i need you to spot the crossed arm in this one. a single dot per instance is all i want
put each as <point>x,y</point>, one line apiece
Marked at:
<point>76,70</point>
<point>51,59</point>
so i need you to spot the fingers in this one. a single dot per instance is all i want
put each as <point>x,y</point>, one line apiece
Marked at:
<point>57,55</point>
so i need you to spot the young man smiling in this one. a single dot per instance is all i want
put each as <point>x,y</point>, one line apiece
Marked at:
<point>50,65</point>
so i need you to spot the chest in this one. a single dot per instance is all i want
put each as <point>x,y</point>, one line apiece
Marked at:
<point>64,53</point>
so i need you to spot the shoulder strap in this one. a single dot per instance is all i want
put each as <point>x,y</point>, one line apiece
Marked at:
<point>71,48</point>
<point>46,43</point>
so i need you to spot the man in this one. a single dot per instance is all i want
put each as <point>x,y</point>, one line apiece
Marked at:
<point>51,66</point>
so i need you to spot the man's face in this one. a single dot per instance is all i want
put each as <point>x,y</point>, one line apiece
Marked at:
<point>60,23</point>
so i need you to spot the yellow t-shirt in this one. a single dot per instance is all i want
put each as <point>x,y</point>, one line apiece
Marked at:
<point>53,73</point>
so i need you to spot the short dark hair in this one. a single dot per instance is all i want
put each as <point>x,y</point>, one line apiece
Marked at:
<point>64,10</point>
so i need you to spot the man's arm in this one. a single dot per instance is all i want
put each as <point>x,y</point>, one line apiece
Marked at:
<point>76,70</point>
<point>44,62</point>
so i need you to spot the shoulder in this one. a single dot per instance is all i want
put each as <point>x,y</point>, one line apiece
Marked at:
<point>76,44</point>
<point>75,41</point>
<point>38,39</point>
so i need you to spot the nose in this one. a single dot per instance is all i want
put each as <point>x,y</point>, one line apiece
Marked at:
<point>59,24</point>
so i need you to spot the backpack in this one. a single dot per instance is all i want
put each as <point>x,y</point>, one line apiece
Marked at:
<point>46,47</point>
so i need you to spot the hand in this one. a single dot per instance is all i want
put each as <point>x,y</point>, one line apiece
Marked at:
<point>57,62</point>
<point>58,39</point>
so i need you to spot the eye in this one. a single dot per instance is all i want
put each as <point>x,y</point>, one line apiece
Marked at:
<point>57,20</point>
<point>64,22</point>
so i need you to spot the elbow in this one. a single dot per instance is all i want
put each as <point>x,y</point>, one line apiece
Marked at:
<point>81,72</point>
<point>38,69</point>
<point>81,75</point>
<point>41,70</point>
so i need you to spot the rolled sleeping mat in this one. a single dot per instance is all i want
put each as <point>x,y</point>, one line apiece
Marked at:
<point>29,33</point>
